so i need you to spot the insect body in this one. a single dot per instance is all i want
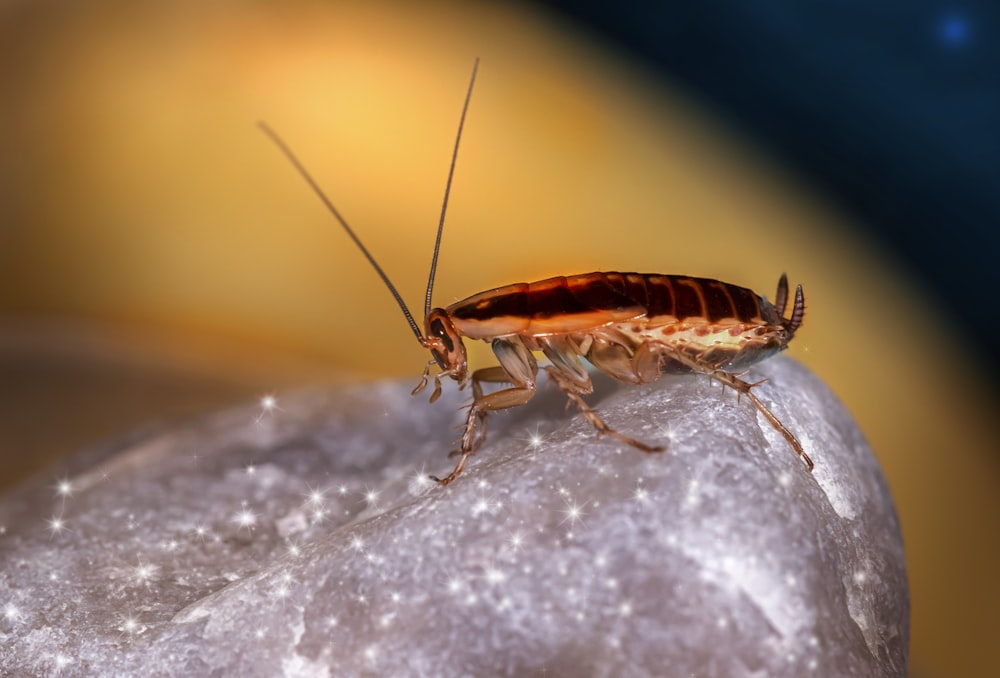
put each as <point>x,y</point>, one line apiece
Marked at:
<point>630,326</point>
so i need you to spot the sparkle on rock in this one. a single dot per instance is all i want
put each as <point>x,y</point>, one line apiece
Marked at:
<point>268,406</point>
<point>315,497</point>
<point>640,495</point>
<point>64,488</point>
<point>56,524</point>
<point>371,496</point>
<point>246,519</point>
<point>574,513</point>
<point>495,575</point>
<point>516,541</point>
<point>130,625</point>
<point>144,572</point>
<point>11,612</point>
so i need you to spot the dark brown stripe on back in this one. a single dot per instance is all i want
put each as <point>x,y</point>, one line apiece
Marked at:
<point>718,303</point>
<point>687,303</point>
<point>746,302</point>
<point>581,294</point>
<point>660,295</point>
<point>616,281</point>
<point>510,303</point>
<point>552,297</point>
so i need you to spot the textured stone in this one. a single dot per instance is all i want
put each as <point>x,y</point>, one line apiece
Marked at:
<point>306,541</point>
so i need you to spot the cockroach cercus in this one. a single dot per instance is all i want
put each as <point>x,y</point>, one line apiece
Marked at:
<point>631,326</point>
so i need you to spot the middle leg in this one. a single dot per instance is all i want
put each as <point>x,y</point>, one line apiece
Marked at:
<point>572,378</point>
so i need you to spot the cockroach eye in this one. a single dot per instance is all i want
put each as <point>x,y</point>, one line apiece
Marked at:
<point>438,330</point>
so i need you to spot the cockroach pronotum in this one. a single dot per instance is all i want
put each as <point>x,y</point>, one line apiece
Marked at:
<point>631,326</point>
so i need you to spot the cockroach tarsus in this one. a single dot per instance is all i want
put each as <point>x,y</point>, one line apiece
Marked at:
<point>631,326</point>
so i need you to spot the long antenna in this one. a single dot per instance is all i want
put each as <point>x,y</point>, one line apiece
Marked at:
<point>329,205</point>
<point>447,192</point>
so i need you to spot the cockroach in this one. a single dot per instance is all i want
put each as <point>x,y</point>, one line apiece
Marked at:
<point>631,326</point>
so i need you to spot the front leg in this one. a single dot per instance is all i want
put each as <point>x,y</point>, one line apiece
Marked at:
<point>477,427</point>
<point>517,367</point>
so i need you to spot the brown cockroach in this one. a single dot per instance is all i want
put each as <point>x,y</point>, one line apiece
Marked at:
<point>631,326</point>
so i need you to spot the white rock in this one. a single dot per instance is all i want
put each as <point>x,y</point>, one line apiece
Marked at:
<point>307,542</point>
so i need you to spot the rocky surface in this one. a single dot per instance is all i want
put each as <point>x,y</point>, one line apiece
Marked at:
<point>305,540</point>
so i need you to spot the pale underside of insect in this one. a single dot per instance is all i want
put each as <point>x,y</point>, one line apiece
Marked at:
<point>631,326</point>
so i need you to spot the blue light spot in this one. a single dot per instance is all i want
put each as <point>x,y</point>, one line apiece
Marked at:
<point>954,30</point>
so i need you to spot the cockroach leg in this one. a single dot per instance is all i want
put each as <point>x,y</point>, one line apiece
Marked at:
<point>573,391</point>
<point>459,467</point>
<point>436,393</point>
<point>518,367</point>
<point>788,435</point>
<point>422,384</point>
<point>743,388</point>
<point>573,379</point>
<point>492,375</point>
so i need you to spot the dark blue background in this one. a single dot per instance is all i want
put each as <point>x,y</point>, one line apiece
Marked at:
<point>892,109</point>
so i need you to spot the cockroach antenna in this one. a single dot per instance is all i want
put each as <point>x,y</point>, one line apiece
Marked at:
<point>350,231</point>
<point>447,191</point>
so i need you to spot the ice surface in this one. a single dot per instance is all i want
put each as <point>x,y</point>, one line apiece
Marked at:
<point>306,541</point>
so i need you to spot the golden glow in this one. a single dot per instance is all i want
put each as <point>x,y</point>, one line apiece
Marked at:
<point>139,193</point>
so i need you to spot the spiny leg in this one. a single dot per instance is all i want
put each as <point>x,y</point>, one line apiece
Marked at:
<point>491,375</point>
<point>478,411</point>
<point>744,388</point>
<point>517,367</point>
<point>573,391</point>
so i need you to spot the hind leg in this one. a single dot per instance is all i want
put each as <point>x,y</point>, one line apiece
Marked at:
<point>742,388</point>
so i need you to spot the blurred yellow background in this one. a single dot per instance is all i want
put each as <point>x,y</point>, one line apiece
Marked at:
<point>159,257</point>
